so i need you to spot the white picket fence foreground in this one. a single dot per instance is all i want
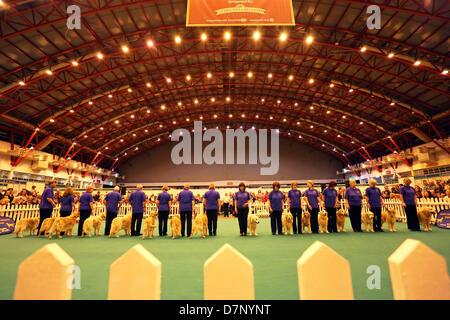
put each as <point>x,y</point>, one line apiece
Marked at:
<point>261,209</point>
<point>316,280</point>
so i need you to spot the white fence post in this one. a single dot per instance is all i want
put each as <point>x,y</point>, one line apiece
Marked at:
<point>323,274</point>
<point>45,275</point>
<point>228,275</point>
<point>136,275</point>
<point>418,273</point>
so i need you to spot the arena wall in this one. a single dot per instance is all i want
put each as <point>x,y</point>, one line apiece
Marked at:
<point>297,162</point>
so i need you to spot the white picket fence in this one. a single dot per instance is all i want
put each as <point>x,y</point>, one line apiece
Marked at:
<point>17,212</point>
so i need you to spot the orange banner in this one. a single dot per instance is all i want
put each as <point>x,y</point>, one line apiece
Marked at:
<point>239,13</point>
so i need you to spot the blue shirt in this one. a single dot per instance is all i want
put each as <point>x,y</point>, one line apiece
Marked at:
<point>295,198</point>
<point>408,194</point>
<point>112,201</point>
<point>137,198</point>
<point>45,204</point>
<point>185,198</point>
<point>85,199</point>
<point>211,197</point>
<point>329,197</point>
<point>374,195</point>
<point>241,197</point>
<point>276,198</point>
<point>66,203</point>
<point>353,196</point>
<point>164,198</point>
<point>312,195</point>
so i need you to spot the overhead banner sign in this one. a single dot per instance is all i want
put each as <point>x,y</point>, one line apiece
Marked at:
<point>202,13</point>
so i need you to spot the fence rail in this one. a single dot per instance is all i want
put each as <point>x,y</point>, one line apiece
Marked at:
<point>18,212</point>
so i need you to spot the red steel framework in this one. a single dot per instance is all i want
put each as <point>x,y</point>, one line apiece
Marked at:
<point>391,97</point>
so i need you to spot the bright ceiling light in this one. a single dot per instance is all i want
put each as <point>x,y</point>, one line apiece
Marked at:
<point>309,39</point>
<point>204,37</point>
<point>351,90</point>
<point>178,39</point>
<point>291,77</point>
<point>149,85</point>
<point>209,75</point>
<point>195,101</point>
<point>110,96</point>
<point>49,72</point>
<point>417,63</point>
<point>256,35</point>
<point>227,35</point>
<point>22,83</point>
<point>231,74</point>
<point>283,36</point>
<point>390,55</point>
<point>270,76</point>
<point>228,99</point>
<point>75,63</point>
<point>364,49</point>
<point>150,43</point>
<point>444,72</point>
<point>100,55</point>
<point>311,81</point>
<point>169,80</point>
<point>188,77</point>
<point>163,107</point>
<point>125,49</point>
<point>331,85</point>
<point>250,74</point>
<point>130,90</point>
<point>180,103</point>
<point>213,99</point>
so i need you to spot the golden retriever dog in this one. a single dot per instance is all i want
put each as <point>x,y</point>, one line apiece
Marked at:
<point>23,225</point>
<point>121,223</point>
<point>424,216</point>
<point>286,222</point>
<point>200,224</point>
<point>46,226</point>
<point>367,219</point>
<point>175,225</point>
<point>323,221</point>
<point>306,221</point>
<point>340,220</point>
<point>90,223</point>
<point>252,222</point>
<point>63,224</point>
<point>389,217</point>
<point>149,225</point>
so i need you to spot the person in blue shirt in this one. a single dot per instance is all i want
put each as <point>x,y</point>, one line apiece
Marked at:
<point>312,201</point>
<point>241,200</point>
<point>353,199</point>
<point>86,207</point>
<point>138,201</point>
<point>275,202</point>
<point>330,199</point>
<point>46,205</point>
<point>294,206</point>
<point>67,204</point>
<point>409,201</point>
<point>164,203</point>
<point>211,201</point>
<point>186,203</point>
<point>113,201</point>
<point>374,199</point>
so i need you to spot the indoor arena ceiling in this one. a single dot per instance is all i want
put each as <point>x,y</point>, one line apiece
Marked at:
<point>134,72</point>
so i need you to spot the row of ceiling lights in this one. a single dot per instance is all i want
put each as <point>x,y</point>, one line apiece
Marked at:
<point>227,36</point>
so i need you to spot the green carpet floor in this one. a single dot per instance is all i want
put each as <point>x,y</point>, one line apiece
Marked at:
<point>274,259</point>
